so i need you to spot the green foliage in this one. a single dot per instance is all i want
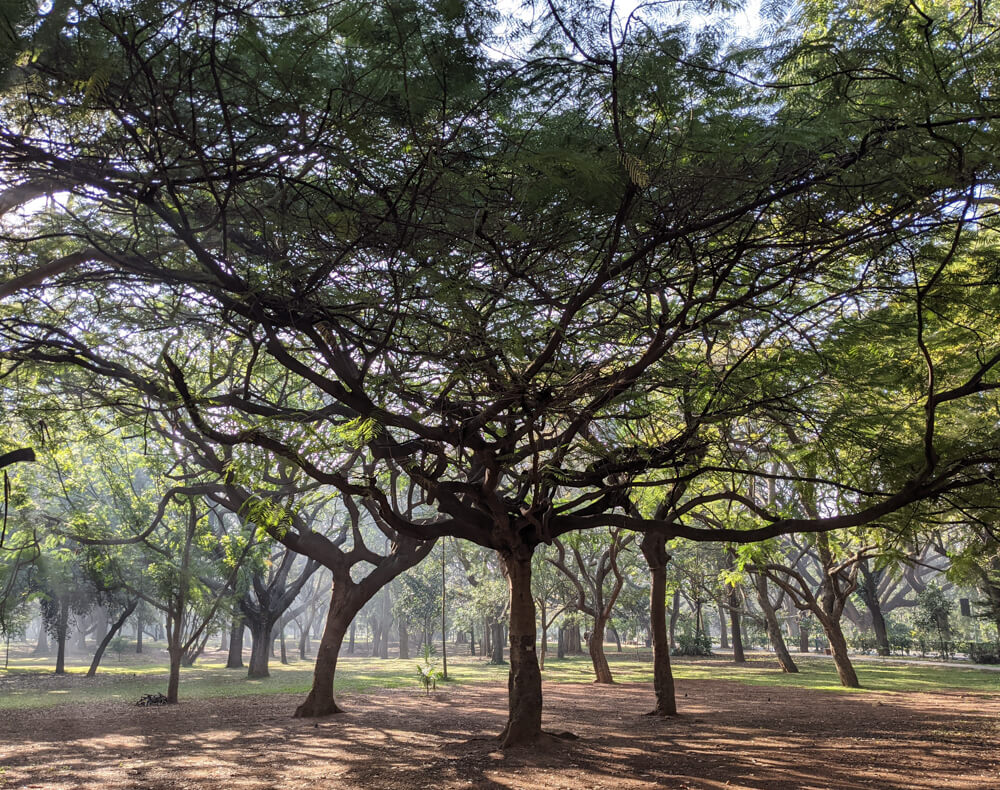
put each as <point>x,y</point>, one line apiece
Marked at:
<point>427,670</point>
<point>690,642</point>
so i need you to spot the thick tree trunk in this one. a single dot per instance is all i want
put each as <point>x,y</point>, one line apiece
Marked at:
<point>869,594</point>
<point>773,626</point>
<point>524,723</point>
<point>320,701</point>
<point>654,550</point>
<point>841,659</point>
<point>260,648</point>
<point>602,672</point>
<point>175,652</point>
<point>108,636</point>
<point>235,657</point>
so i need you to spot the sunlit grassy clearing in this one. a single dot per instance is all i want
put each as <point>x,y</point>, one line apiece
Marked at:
<point>127,680</point>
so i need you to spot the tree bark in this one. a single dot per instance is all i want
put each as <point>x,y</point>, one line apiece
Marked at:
<point>654,550</point>
<point>803,636</point>
<point>62,626</point>
<point>773,626</point>
<point>350,645</point>
<point>404,639</point>
<point>838,647</point>
<point>602,672</point>
<point>235,657</point>
<point>176,652</point>
<point>524,722</point>
<point>735,631</point>
<point>617,636</point>
<point>108,636</point>
<point>561,643</point>
<point>675,612</point>
<point>320,701</point>
<point>723,634</point>
<point>496,642</point>
<point>139,628</point>
<point>869,594</point>
<point>260,648</point>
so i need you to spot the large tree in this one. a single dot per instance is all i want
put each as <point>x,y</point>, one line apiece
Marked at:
<point>533,280</point>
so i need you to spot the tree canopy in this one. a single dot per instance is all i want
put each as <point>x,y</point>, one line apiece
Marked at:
<point>547,265</point>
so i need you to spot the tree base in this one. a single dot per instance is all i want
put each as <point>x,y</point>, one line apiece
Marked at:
<point>661,713</point>
<point>541,738</point>
<point>311,709</point>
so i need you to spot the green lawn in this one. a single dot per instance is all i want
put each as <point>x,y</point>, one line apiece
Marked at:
<point>132,676</point>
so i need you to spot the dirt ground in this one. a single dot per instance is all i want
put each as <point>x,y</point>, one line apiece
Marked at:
<point>728,736</point>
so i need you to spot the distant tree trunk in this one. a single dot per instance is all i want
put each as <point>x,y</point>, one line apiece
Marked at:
<point>675,612</point>
<point>139,628</point>
<point>224,642</point>
<point>100,624</point>
<point>80,636</point>
<point>618,639</point>
<point>723,635</point>
<point>404,639</point>
<point>350,646</point>
<point>108,636</point>
<point>561,643</point>
<point>736,631</point>
<point>304,644</point>
<point>284,647</point>
<point>235,658</point>
<point>654,550</point>
<point>62,625</point>
<point>773,626</point>
<point>42,644</point>
<point>496,642</point>
<point>542,646</point>
<point>803,634</point>
<point>260,648</point>
<point>869,594</point>
<point>472,639</point>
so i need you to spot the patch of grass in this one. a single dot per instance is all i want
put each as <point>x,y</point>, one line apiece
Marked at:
<point>137,675</point>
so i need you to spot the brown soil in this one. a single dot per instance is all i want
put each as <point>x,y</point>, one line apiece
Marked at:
<point>728,736</point>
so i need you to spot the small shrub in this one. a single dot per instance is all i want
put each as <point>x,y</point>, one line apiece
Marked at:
<point>427,670</point>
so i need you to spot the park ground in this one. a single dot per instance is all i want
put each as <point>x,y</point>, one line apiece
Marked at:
<point>920,727</point>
